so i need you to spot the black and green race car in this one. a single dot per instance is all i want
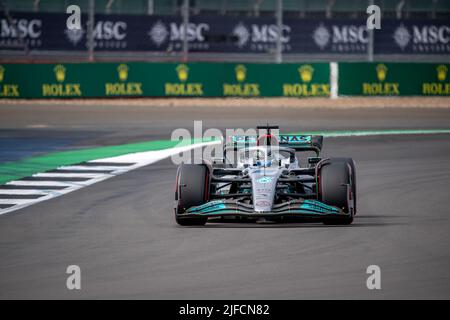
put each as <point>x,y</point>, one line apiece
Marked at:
<point>260,178</point>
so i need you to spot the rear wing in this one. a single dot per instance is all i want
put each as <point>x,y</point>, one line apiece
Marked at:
<point>298,142</point>
<point>302,142</point>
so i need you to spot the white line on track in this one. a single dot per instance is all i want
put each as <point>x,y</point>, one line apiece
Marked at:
<point>68,175</point>
<point>136,160</point>
<point>93,169</point>
<point>22,192</point>
<point>43,183</point>
<point>15,201</point>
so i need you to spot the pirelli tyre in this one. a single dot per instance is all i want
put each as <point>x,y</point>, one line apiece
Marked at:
<point>192,189</point>
<point>350,163</point>
<point>335,174</point>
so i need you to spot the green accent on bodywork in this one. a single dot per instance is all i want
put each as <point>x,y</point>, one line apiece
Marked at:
<point>23,168</point>
<point>207,207</point>
<point>305,137</point>
<point>216,212</point>
<point>299,212</point>
<point>308,207</point>
<point>318,206</point>
<point>295,139</point>
<point>265,180</point>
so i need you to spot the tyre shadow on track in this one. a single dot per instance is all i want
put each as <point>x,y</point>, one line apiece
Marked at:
<point>378,216</point>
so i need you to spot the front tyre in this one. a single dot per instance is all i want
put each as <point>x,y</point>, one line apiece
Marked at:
<point>335,175</point>
<point>192,189</point>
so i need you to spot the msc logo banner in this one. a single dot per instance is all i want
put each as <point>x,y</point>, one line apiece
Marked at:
<point>306,88</point>
<point>123,88</point>
<point>183,88</point>
<point>61,89</point>
<point>381,87</point>
<point>241,88</point>
<point>7,90</point>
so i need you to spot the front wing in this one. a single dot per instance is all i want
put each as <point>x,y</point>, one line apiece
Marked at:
<point>296,208</point>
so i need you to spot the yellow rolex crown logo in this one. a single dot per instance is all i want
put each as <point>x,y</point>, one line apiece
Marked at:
<point>2,73</point>
<point>441,72</point>
<point>122,69</point>
<point>60,72</point>
<point>241,72</point>
<point>381,72</point>
<point>306,72</point>
<point>183,72</point>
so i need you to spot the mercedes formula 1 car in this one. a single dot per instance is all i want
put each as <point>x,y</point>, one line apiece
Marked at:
<point>260,177</point>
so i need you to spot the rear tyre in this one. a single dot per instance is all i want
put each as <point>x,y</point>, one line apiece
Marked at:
<point>334,176</point>
<point>191,190</point>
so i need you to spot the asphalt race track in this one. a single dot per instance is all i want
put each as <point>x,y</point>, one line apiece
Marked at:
<point>122,233</point>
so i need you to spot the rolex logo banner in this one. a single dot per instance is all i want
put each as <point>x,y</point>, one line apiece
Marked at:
<point>276,80</point>
<point>140,79</point>
<point>394,79</point>
<point>296,80</point>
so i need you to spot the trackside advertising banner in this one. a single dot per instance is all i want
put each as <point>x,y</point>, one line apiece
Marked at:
<point>163,80</point>
<point>47,31</point>
<point>413,37</point>
<point>140,79</point>
<point>394,79</point>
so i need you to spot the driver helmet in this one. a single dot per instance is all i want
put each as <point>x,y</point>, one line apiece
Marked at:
<point>263,160</point>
